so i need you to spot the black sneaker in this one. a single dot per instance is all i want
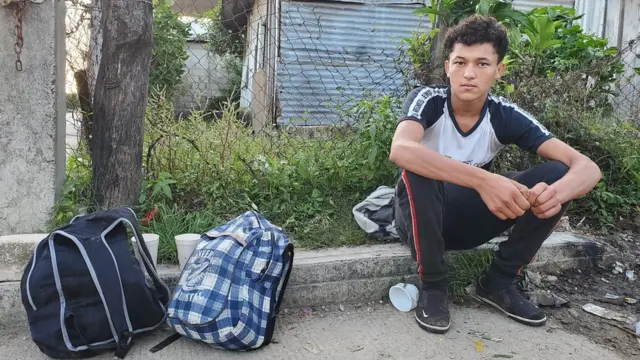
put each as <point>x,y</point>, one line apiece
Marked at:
<point>513,304</point>
<point>432,312</point>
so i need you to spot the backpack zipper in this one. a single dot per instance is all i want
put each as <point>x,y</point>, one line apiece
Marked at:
<point>273,246</point>
<point>33,265</point>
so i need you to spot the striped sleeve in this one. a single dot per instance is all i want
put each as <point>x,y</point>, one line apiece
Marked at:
<point>518,127</point>
<point>423,104</point>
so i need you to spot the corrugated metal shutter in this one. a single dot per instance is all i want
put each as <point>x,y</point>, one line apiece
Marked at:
<point>593,20</point>
<point>331,51</point>
<point>526,5</point>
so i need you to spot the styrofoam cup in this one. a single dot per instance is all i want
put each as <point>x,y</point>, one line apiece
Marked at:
<point>186,243</point>
<point>404,297</point>
<point>152,241</point>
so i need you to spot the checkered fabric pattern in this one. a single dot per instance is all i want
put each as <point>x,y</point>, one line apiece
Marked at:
<point>227,293</point>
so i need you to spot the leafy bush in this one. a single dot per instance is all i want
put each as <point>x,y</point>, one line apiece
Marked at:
<point>221,41</point>
<point>229,48</point>
<point>454,11</point>
<point>169,48</point>
<point>76,189</point>
<point>556,47</point>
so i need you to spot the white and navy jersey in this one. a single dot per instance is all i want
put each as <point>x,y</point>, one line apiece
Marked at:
<point>501,123</point>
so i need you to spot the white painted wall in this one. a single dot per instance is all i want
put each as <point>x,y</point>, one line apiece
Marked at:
<point>204,77</point>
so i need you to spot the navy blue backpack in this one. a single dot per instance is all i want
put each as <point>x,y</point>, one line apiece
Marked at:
<point>85,292</point>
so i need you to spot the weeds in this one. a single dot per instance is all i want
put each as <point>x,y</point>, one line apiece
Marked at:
<point>201,170</point>
<point>466,267</point>
<point>171,221</point>
<point>199,173</point>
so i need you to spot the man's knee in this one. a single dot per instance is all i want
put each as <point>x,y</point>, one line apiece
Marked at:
<point>420,180</point>
<point>419,186</point>
<point>547,172</point>
<point>554,171</point>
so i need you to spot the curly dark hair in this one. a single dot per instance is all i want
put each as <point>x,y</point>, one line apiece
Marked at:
<point>478,29</point>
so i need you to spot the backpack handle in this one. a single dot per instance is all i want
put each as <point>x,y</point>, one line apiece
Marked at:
<point>161,287</point>
<point>110,219</point>
<point>239,238</point>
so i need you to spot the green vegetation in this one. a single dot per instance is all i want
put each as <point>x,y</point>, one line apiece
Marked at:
<point>212,171</point>
<point>169,49</point>
<point>465,267</point>
<point>199,172</point>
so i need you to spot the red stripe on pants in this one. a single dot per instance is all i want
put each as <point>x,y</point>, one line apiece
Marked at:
<point>414,223</point>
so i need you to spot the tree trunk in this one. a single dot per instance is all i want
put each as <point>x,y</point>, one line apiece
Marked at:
<point>95,44</point>
<point>436,64</point>
<point>235,14</point>
<point>84,97</point>
<point>120,101</point>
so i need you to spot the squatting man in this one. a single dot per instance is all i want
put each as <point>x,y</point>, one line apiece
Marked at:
<point>448,199</point>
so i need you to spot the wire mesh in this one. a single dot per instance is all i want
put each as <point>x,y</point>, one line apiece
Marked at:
<point>295,63</point>
<point>267,103</point>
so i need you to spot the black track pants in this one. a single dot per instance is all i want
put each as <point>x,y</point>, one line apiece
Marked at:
<point>433,216</point>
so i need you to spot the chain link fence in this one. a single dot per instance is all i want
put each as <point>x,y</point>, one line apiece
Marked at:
<point>627,98</point>
<point>305,66</point>
<point>273,103</point>
<point>283,63</point>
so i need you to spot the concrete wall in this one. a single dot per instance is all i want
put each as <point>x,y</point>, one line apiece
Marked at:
<point>204,77</point>
<point>31,135</point>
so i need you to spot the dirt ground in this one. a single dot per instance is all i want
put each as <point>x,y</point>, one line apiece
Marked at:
<point>592,286</point>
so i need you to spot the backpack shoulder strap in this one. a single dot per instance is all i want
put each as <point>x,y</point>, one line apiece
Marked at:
<point>164,293</point>
<point>110,218</point>
<point>101,268</point>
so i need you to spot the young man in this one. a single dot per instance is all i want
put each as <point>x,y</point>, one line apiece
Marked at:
<point>446,198</point>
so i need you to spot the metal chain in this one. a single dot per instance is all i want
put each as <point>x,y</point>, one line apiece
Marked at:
<point>19,13</point>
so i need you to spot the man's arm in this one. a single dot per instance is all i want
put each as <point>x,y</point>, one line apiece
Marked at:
<point>410,154</point>
<point>583,174</point>
<point>502,197</point>
<point>515,126</point>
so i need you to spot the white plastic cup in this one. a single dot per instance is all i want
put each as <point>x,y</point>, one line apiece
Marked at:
<point>152,241</point>
<point>404,297</point>
<point>186,243</point>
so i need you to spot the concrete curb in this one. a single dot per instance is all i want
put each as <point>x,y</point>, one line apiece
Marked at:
<point>341,275</point>
<point>15,252</point>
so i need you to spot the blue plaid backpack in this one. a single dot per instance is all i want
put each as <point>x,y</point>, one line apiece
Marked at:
<point>230,290</point>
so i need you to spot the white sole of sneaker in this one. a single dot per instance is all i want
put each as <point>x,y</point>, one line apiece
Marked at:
<point>432,328</point>
<point>515,317</point>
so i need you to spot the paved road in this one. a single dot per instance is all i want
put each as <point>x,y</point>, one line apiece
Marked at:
<point>378,332</point>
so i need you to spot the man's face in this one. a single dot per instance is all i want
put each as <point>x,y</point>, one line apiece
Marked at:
<point>472,70</point>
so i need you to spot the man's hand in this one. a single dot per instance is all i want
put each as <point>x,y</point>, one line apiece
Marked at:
<point>523,189</point>
<point>544,201</point>
<point>503,197</point>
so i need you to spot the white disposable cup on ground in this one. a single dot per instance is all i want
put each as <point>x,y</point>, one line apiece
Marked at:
<point>152,241</point>
<point>404,297</point>
<point>186,243</point>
